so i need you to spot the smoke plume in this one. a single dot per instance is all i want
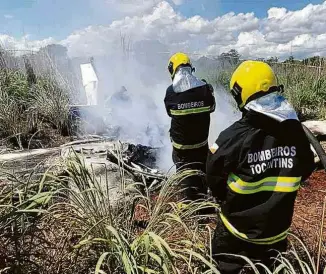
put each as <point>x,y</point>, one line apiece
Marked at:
<point>143,119</point>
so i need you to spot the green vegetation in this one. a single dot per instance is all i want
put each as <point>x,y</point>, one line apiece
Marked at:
<point>68,224</point>
<point>33,104</point>
<point>31,111</point>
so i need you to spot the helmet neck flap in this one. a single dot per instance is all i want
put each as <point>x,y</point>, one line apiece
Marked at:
<point>184,80</point>
<point>273,105</point>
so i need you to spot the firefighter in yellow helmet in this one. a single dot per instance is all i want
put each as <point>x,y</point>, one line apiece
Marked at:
<point>255,168</point>
<point>189,102</point>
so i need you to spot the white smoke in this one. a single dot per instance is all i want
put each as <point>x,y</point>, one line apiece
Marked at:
<point>145,121</point>
<point>225,113</point>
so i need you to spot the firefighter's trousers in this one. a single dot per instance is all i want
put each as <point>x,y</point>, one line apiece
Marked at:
<point>195,187</point>
<point>225,242</point>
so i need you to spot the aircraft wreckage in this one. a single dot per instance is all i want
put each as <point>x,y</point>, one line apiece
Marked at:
<point>104,156</point>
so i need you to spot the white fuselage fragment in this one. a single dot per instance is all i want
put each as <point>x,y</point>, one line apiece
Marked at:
<point>90,83</point>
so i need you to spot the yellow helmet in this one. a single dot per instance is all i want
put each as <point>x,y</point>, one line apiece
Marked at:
<point>177,60</point>
<point>252,79</point>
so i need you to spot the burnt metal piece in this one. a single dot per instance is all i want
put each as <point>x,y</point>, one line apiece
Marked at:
<point>141,155</point>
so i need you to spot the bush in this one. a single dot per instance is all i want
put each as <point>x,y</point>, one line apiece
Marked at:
<point>27,109</point>
<point>51,102</point>
<point>15,84</point>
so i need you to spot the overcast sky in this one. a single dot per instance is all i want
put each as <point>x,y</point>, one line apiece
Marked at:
<point>256,28</point>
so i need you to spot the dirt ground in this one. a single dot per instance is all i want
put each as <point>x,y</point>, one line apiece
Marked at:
<point>309,209</point>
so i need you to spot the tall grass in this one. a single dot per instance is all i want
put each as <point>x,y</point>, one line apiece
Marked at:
<point>306,89</point>
<point>22,238</point>
<point>31,109</point>
<point>166,245</point>
<point>51,102</point>
<point>11,118</point>
<point>70,224</point>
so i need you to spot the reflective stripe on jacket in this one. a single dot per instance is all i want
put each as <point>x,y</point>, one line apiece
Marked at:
<point>190,116</point>
<point>254,171</point>
<point>277,184</point>
<point>186,147</point>
<point>190,111</point>
<point>244,237</point>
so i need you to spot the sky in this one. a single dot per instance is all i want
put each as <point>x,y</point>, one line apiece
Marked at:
<point>256,28</point>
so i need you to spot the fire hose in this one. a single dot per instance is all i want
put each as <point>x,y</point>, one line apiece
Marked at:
<point>316,145</point>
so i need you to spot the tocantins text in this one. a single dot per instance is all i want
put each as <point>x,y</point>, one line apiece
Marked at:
<point>279,157</point>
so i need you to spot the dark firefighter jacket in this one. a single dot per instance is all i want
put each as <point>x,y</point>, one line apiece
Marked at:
<point>190,112</point>
<point>255,174</point>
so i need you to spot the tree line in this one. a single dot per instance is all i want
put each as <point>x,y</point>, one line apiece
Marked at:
<point>234,57</point>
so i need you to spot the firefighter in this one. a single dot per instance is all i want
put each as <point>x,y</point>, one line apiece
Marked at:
<point>254,170</point>
<point>189,102</point>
